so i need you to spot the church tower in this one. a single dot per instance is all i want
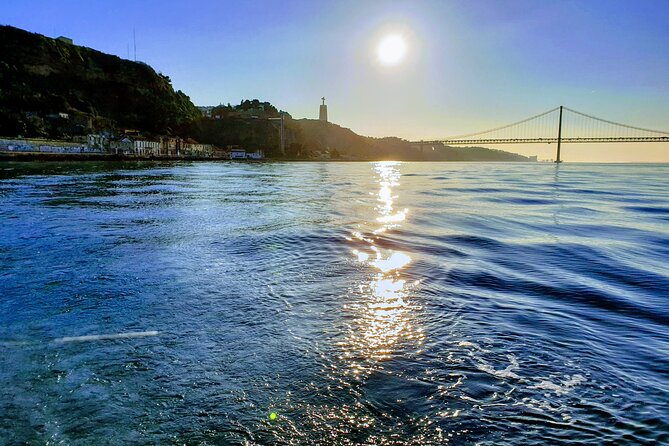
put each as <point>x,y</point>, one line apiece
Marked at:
<point>323,114</point>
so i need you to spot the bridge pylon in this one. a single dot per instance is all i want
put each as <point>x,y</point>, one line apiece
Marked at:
<point>559,139</point>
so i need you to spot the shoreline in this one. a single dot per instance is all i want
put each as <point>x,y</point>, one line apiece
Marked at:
<point>42,156</point>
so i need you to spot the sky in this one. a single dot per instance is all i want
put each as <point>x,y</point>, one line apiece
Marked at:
<point>469,65</point>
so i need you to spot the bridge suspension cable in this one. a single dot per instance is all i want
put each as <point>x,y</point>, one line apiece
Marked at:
<point>599,123</point>
<point>557,125</point>
<point>469,135</point>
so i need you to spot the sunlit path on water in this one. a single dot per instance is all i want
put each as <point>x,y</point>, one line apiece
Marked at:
<point>381,305</point>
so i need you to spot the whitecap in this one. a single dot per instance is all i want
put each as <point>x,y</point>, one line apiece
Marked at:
<point>506,373</point>
<point>560,389</point>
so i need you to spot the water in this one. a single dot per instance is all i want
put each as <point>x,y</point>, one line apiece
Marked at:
<point>363,303</point>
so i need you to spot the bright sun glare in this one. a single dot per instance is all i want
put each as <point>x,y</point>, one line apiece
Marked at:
<point>391,49</point>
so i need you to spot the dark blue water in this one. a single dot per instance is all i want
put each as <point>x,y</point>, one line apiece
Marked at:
<point>363,303</point>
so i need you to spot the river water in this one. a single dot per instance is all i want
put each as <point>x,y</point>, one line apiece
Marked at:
<point>361,303</point>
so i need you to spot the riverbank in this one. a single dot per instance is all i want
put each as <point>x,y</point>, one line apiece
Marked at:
<point>37,156</point>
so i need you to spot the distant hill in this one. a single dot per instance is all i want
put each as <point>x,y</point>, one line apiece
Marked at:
<point>321,136</point>
<point>311,138</point>
<point>325,136</point>
<point>41,78</point>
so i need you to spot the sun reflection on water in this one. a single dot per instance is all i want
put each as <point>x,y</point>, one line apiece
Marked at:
<point>384,315</point>
<point>397,260</point>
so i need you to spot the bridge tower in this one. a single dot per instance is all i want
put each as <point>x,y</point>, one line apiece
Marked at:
<point>323,112</point>
<point>559,139</point>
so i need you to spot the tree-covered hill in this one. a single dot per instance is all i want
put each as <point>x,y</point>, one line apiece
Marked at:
<point>41,77</point>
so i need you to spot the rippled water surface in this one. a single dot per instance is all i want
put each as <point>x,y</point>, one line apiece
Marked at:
<point>362,303</point>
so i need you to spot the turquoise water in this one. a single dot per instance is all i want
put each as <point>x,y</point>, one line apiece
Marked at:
<point>363,303</point>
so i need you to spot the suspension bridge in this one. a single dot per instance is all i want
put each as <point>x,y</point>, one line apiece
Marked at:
<point>558,125</point>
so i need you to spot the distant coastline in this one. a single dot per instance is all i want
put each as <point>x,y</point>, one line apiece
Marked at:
<point>170,148</point>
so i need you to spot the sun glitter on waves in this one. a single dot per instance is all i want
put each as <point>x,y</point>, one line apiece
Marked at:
<point>384,313</point>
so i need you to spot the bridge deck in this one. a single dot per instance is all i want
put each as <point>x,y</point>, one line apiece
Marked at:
<point>459,142</point>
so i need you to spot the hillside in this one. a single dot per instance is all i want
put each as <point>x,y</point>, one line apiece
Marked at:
<point>49,87</point>
<point>311,138</point>
<point>322,136</point>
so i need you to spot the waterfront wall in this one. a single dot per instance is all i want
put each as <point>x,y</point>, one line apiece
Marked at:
<point>167,147</point>
<point>44,146</point>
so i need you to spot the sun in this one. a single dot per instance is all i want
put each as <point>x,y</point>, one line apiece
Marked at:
<point>391,49</point>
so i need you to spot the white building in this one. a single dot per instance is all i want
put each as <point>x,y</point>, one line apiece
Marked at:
<point>144,147</point>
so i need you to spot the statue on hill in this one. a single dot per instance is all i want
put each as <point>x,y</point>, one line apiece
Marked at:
<point>323,113</point>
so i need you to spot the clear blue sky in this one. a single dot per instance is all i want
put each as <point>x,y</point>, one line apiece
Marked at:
<point>470,64</point>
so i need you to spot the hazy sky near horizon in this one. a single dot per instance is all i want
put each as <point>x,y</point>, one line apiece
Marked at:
<point>469,65</point>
